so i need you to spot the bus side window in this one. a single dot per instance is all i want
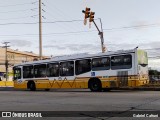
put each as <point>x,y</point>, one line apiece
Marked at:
<point>121,62</point>
<point>67,68</point>
<point>101,63</point>
<point>40,70</point>
<point>28,72</point>
<point>53,70</point>
<point>82,66</point>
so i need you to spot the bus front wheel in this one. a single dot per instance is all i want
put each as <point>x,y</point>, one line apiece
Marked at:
<point>32,86</point>
<point>95,85</point>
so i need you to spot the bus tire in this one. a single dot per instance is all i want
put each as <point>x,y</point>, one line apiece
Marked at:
<point>95,85</point>
<point>32,86</point>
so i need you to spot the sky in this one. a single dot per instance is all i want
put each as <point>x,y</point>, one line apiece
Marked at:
<point>126,25</point>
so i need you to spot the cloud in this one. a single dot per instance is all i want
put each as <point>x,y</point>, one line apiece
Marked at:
<point>58,47</point>
<point>74,47</point>
<point>95,48</point>
<point>85,47</point>
<point>155,44</point>
<point>140,25</point>
<point>120,46</point>
<point>154,64</point>
<point>152,48</point>
<point>20,43</point>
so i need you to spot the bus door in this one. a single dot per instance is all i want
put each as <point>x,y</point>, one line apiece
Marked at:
<point>122,77</point>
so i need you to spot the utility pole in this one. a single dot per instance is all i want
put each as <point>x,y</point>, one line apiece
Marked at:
<point>40,30</point>
<point>6,60</point>
<point>90,15</point>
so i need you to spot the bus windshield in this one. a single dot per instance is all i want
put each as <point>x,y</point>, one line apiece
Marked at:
<point>17,73</point>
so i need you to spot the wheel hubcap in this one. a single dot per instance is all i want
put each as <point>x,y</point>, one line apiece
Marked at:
<point>95,86</point>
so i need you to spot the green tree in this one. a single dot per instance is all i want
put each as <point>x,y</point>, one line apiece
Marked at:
<point>154,72</point>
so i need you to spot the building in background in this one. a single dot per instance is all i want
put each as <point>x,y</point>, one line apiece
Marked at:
<point>14,57</point>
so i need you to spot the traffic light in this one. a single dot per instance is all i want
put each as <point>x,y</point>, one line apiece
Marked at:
<point>87,12</point>
<point>91,17</point>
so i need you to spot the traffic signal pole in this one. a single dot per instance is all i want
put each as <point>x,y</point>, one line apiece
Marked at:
<point>90,15</point>
<point>100,33</point>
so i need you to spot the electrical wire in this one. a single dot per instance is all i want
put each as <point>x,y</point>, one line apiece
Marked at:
<point>156,57</point>
<point>15,18</point>
<point>72,32</point>
<point>153,49</point>
<point>69,21</point>
<point>14,11</point>
<point>51,33</point>
<point>19,23</point>
<point>15,5</point>
<point>61,13</point>
<point>59,25</point>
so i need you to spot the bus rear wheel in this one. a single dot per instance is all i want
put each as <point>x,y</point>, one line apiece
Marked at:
<point>32,86</point>
<point>95,85</point>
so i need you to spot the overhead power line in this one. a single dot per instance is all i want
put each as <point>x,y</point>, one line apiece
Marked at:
<point>14,11</point>
<point>15,4</point>
<point>155,57</point>
<point>51,33</point>
<point>72,32</point>
<point>70,21</point>
<point>42,22</point>
<point>134,27</point>
<point>18,23</point>
<point>153,49</point>
<point>64,21</point>
<point>15,18</point>
<point>61,13</point>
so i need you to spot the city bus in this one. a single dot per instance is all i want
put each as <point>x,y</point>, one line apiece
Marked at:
<point>97,72</point>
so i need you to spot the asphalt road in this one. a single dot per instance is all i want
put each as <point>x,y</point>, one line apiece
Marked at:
<point>79,100</point>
